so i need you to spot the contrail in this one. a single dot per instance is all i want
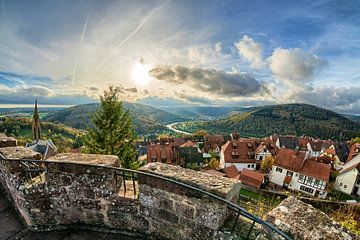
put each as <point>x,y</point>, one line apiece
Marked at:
<point>81,39</point>
<point>143,21</point>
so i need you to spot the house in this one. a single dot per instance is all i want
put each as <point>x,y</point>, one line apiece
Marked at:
<point>348,180</point>
<point>45,147</point>
<point>239,153</point>
<point>354,151</point>
<point>314,148</point>
<point>252,178</point>
<point>190,154</point>
<point>213,143</point>
<point>264,150</point>
<point>157,152</point>
<point>338,150</point>
<point>292,170</point>
<point>290,142</point>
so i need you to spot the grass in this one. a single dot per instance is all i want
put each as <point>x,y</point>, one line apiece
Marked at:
<point>250,194</point>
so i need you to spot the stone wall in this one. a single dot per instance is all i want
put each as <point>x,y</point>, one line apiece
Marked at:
<point>68,195</point>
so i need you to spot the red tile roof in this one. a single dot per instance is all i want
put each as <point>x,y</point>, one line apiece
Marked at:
<point>241,151</point>
<point>354,151</point>
<point>189,144</point>
<point>290,159</point>
<point>316,170</point>
<point>251,178</point>
<point>231,172</point>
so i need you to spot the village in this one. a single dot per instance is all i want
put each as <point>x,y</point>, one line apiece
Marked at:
<point>312,167</point>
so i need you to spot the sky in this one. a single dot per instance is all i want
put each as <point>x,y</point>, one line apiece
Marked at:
<point>185,52</point>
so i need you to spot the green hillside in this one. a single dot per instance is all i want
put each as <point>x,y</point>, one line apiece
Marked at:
<point>202,112</point>
<point>63,136</point>
<point>294,119</point>
<point>146,119</point>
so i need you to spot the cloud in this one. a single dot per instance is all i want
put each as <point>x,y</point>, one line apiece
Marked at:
<point>344,99</point>
<point>251,51</point>
<point>210,81</point>
<point>191,98</point>
<point>294,65</point>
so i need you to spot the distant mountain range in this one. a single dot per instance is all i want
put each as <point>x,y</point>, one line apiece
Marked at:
<point>146,119</point>
<point>293,119</point>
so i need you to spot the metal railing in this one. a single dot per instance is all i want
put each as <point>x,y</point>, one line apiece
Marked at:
<point>40,166</point>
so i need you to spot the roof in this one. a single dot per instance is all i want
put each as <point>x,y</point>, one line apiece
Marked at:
<point>352,164</point>
<point>240,151</point>
<point>231,172</point>
<point>316,170</point>
<point>316,145</point>
<point>289,142</point>
<point>251,178</point>
<point>354,150</point>
<point>189,144</point>
<point>289,159</point>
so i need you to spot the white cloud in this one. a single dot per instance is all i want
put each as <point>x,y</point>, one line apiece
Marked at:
<point>294,65</point>
<point>251,51</point>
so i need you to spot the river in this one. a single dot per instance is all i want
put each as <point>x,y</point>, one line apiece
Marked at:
<point>171,127</point>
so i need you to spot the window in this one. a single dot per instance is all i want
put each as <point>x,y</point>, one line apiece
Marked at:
<point>306,189</point>
<point>345,186</point>
<point>289,173</point>
<point>261,158</point>
<point>341,184</point>
<point>301,178</point>
<point>249,165</point>
<point>358,181</point>
<point>309,180</point>
<point>278,169</point>
<point>163,160</point>
<point>265,150</point>
<point>317,182</point>
<point>153,159</point>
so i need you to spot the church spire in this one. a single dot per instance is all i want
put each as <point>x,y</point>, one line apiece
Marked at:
<point>36,128</point>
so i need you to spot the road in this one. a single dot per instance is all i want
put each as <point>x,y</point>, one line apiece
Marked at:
<point>171,127</point>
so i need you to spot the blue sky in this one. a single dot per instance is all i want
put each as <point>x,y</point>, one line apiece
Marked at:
<point>238,53</point>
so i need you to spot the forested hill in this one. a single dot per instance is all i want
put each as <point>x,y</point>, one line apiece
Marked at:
<point>145,118</point>
<point>294,119</point>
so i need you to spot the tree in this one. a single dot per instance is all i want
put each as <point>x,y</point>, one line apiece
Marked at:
<point>113,131</point>
<point>267,163</point>
<point>201,133</point>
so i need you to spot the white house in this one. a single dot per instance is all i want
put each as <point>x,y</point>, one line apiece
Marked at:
<point>262,151</point>
<point>314,148</point>
<point>348,180</point>
<point>238,153</point>
<point>292,170</point>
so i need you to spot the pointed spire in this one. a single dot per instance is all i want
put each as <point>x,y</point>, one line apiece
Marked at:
<point>36,127</point>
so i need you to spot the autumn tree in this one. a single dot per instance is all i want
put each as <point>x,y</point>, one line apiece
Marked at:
<point>267,163</point>
<point>113,131</point>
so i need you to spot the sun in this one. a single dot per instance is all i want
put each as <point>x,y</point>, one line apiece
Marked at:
<point>140,74</point>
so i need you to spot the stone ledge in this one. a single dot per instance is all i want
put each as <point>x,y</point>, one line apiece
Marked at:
<point>96,159</point>
<point>224,187</point>
<point>303,221</point>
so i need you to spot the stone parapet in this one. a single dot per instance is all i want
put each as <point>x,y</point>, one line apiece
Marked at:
<point>67,194</point>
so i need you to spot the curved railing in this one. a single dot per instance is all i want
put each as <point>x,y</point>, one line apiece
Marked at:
<point>33,166</point>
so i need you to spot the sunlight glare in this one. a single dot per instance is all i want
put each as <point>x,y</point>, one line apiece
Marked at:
<point>140,74</point>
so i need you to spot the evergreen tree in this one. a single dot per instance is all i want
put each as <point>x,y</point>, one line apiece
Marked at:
<point>112,132</point>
